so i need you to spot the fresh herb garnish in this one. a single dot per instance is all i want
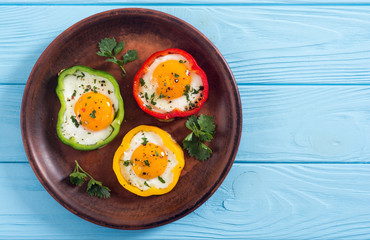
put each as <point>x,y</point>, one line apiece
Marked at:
<point>92,114</point>
<point>108,47</point>
<point>161,179</point>
<point>156,153</point>
<point>75,122</point>
<point>126,163</point>
<point>94,188</point>
<point>146,162</point>
<point>203,130</point>
<point>152,99</point>
<point>161,96</point>
<point>186,92</point>
<point>146,96</point>
<point>142,82</point>
<point>176,75</point>
<point>145,141</point>
<point>146,184</point>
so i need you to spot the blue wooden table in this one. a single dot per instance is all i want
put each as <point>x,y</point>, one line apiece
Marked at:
<point>303,72</point>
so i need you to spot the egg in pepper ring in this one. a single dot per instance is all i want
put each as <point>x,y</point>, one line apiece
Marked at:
<point>148,162</point>
<point>170,84</point>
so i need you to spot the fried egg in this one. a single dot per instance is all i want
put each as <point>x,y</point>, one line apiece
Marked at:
<point>170,84</point>
<point>148,162</point>
<point>91,105</point>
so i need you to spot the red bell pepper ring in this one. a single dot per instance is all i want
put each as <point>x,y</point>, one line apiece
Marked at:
<point>193,67</point>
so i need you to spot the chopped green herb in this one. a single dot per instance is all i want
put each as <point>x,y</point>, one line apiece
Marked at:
<point>146,162</point>
<point>177,75</point>
<point>75,122</point>
<point>146,96</point>
<point>145,141</point>
<point>161,179</point>
<point>161,96</point>
<point>149,107</point>
<point>142,82</point>
<point>80,75</point>
<point>152,99</point>
<point>92,114</point>
<point>186,92</point>
<point>146,184</point>
<point>156,153</point>
<point>74,93</point>
<point>127,162</point>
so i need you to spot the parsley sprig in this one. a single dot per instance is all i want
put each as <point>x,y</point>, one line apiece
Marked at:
<point>108,47</point>
<point>203,130</point>
<point>94,188</point>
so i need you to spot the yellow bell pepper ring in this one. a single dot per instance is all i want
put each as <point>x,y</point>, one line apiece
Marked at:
<point>148,161</point>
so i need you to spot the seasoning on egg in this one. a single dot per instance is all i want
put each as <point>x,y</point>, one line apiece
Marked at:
<point>148,169</point>
<point>170,84</point>
<point>91,108</point>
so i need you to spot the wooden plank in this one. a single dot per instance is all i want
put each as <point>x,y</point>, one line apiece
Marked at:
<point>183,2</point>
<point>263,44</point>
<point>281,124</point>
<point>263,201</point>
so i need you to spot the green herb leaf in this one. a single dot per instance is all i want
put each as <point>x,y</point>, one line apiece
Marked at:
<point>203,129</point>
<point>118,48</point>
<point>112,60</point>
<point>177,75</point>
<point>96,188</point>
<point>146,163</point>
<point>161,179</point>
<point>145,141</point>
<point>92,114</point>
<point>75,122</point>
<point>106,47</point>
<point>146,184</point>
<point>142,82</point>
<point>192,123</point>
<point>77,178</point>
<point>126,163</point>
<point>207,126</point>
<point>130,55</point>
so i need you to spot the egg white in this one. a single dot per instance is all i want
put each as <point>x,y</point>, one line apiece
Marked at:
<point>164,105</point>
<point>75,86</point>
<point>128,172</point>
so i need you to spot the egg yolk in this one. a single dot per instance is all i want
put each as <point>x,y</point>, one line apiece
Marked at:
<point>149,161</point>
<point>172,78</point>
<point>94,111</point>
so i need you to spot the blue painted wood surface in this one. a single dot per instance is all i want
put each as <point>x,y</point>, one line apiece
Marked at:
<point>302,171</point>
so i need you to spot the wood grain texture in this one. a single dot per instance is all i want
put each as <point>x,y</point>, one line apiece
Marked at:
<point>265,201</point>
<point>282,124</point>
<point>183,2</point>
<point>262,44</point>
<point>303,73</point>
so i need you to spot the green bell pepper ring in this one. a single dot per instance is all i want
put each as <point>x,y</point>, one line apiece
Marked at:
<point>82,79</point>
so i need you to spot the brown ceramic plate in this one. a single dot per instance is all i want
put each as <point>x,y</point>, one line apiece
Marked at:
<point>147,31</point>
